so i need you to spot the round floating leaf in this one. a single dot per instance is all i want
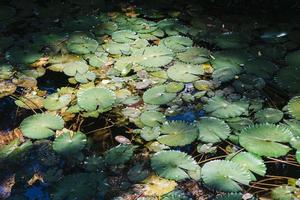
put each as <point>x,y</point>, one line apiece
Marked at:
<point>177,43</point>
<point>55,102</point>
<point>92,99</point>
<point>178,133</point>
<point>248,82</point>
<point>70,69</point>
<point>137,173</point>
<point>293,58</point>
<point>185,72</point>
<point>261,68</point>
<point>249,161</point>
<point>239,123</point>
<point>294,107</point>
<point>80,43</point>
<point>96,60</point>
<point>41,126</point>
<point>176,195</point>
<point>224,175</point>
<point>294,126</point>
<point>225,70</point>
<point>221,108</point>
<point>194,55</point>
<point>117,48</point>
<point>212,130</point>
<point>174,87</point>
<point>233,196</point>
<point>119,155</point>
<point>124,36</point>
<point>158,95</point>
<point>152,118</point>
<point>265,140</point>
<point>288,78</point>
<point>81,186</point>
<point>150,133</point>
<point>69,143</point>
<point>23,56</point>
<point>234,56</point>
<point>284,192</point>
<point>155,56</point>
<point>175,165</point>
<point>268,115</point>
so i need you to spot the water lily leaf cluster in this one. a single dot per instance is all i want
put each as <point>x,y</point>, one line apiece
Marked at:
<point>138,97</point>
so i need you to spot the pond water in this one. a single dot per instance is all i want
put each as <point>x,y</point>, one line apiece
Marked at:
<point>146,100</point>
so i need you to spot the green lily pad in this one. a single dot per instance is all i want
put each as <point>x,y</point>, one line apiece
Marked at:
<point>288,78</point>
<point>294,107</point>
<point>41,126</point>
<point>92,99</point>
<point>72,68</point>
<point>154,56</point>
<point>225,176</point>
<point>249,161</point>
<point>115,48</point>
<point>293,58</point>
<point>152,118</point>
<point>177,43</point>
<point>124,36</point>
<point>284,192</point>
<point>119,155</point>
<point>221,108</point>
<point>177,133</point>
<point>175,165</point>
<point>212,130</point>
<point>55,102</point>
<point>268,115</point>
<point>69,143</point>
<point>185,72</point>
<point>80,43</point>
<point>261,68</point>
<point>157,95</point>
<point>194,55</point>
<point>266,140</point>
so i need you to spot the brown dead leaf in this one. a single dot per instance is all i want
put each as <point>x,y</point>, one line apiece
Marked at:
<point>7,136</point>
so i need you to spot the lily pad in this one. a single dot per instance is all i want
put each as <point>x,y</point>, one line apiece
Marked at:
<point>55,102</point>
<point>41,126</point>
<point>154,56</point>
<point>177,43</point>
<point>249,161</point>
<point>70,69</point>
<point>175,165</point>
<point>221,108</point>
<point>119,155</point>
<point>185,72</point>
<point>266,140</point>
<point>69,143</point>
<point>294,107</point>
<point>212,130</point>
<point>124,36</point>
<point>157,95</point>
<point>152,118</point>
<point>224,175</point>
<point>194,55</point>
<point>293,58</point>
<point>269,115</point>
<point>177,133</point>
<point>96,99</point>
<point>80,43</point>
